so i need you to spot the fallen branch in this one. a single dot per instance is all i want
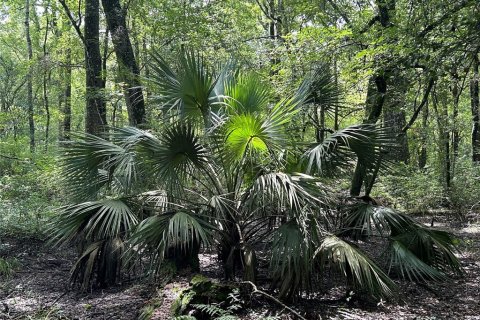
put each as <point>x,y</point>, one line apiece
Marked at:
<point>272,298</point>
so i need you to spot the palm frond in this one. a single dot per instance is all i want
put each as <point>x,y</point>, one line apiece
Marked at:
<point>355,265</point>
<point>434,247</point>
<point>283,191</point>
<point>179,155</point>
<point>290,261</point>
<point>248,134</point>
<point>247,94</point>
<point>94,220</point>
<point>177,229</point>
<point>357,142</point>
<point>186,90</point>
<point>410,266</point>
<point>323,87</point>
<point>83,164</point>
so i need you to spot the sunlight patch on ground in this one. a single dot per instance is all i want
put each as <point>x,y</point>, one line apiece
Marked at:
<point>471,229</point>
<point>21,304</point>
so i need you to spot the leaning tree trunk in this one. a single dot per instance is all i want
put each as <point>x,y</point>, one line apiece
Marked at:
<point>96,114</point>
<point>474,95</point>
<point>31,122</point>
<point>377,88</point>
<point>129,70</point>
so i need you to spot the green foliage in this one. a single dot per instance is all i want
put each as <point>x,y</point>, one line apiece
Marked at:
<point>207,300</point>
<point>8,266</point>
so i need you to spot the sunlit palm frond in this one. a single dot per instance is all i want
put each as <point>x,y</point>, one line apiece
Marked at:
<point>355,265</point>
<point>247,94</point>
<point>247,134</point>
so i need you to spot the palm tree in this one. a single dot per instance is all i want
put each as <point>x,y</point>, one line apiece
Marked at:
<point>219,174</point>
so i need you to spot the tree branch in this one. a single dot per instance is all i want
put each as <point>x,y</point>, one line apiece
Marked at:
<point>272,298</point>
<point>72,20</point>
<point>444,17</point>
<point>424,102</point>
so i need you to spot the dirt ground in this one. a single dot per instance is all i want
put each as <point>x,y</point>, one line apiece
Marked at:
<point>38,289</point>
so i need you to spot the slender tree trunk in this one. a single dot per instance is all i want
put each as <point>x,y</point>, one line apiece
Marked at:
<point>455,134</point>
<point>444,141</point>
<point>129,70</point>
<point>67,106</point>
<point>422,157</point>
<point>96,115</point>
<point>335,118</point>
<point>474,103</point>
<point>46,78</point>
<point>31,122</point>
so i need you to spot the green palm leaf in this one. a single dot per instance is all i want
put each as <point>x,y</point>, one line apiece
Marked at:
<point>93,220</point>
<point>363,142</point>
<point>179,229</point>
<point>187,90</point>
<point>247,94</point>
<point>353,263</point>
<point>290,261</point>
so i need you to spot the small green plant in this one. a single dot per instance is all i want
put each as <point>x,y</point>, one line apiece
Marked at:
<point>205,299</point>
<point>8,266</point>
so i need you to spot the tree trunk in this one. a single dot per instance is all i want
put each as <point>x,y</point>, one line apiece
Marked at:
<point>444,141</point>
<point>46,78</point>
<point>67,107</point>
<point>474,103</point>
<point>422,157</point>
<point>31,122</point>
<point>96,114</point>
<point>377,88</point>
<point>455,135</point>
<point>128,66</point>
<point>394,118</point>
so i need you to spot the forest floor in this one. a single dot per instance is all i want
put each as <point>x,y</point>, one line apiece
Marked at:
<point>38,289</point>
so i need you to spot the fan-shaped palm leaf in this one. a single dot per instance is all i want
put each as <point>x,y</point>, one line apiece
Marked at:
<point>187,90</point>
<point>247,94</point>
<point>291,259</point>
<point>363,142</point>
<point>323,87</point>
<point>180,230</point>
<point>354,264</point>
<point>94,220</point>
<point>179,154</point>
